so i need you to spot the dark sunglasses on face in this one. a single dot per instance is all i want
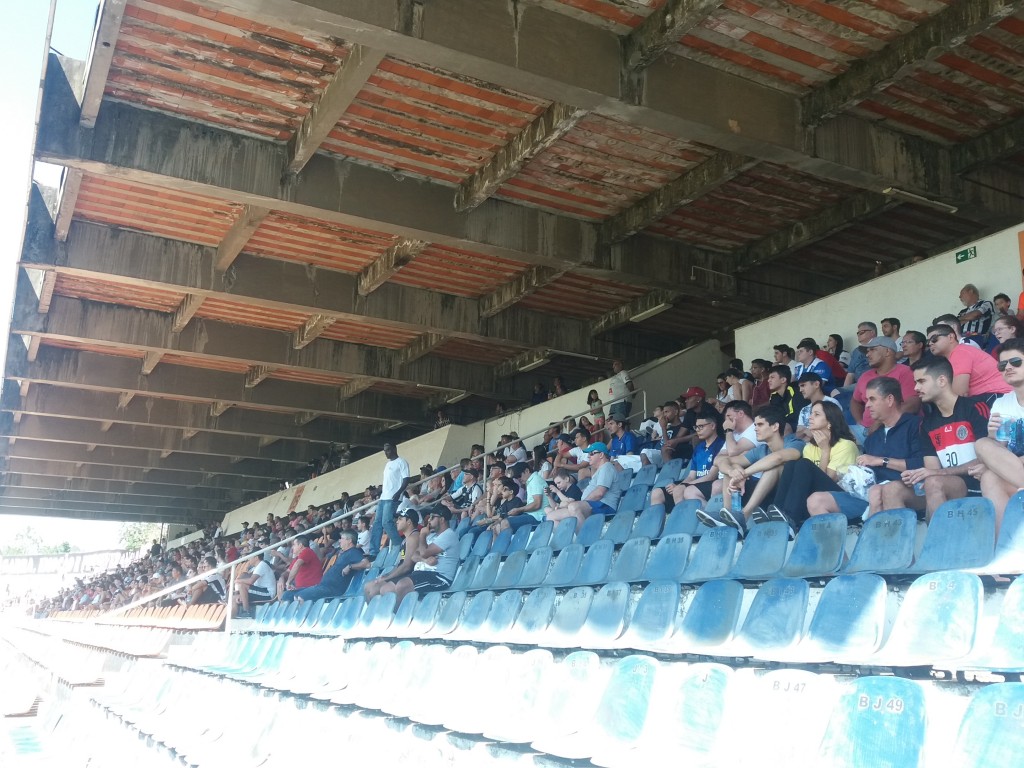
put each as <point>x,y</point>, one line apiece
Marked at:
<point>935,337</point>
<point>1016,362</point>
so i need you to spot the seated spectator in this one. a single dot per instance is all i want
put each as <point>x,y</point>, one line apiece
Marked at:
<point>954,323</point>
<point>562,490</point>
<point>699,481</point>
<point>363,532</point>
<point>891,331</point>
<point>810,385</point>
<point>212,589</point>
<point>624,447</point>
<point>696,407</point>
<point>881,354</point>
<point>601,496</point>
<point>258,585</point>
<point>336,579</point>
<point>407,522</point>
<point>1003,329</point>
<point>461,500</point>
<point>866,331</point>
<point>675,443</point>
<point>974,372</point>
<point>436,558</point>
<point>577,460</point>
<point>514,452</point>
<point>785,355</point>
<point>1002,305</point>
<point>807,362</point>
<point>738,426</point>
<point>816,467</point>
<point>949,431</point>
<point>740,387</point>
<point>888,452</point>
<point>509,511</point>
<point>722,395</point>
<point>535,497</point>
<point>976,316</point>
<point>782,395</point>
<point>752,474</point>
<point>915,347</point>
<point>759,373</point>
<point>1001,471</point>
<point>304,570</point>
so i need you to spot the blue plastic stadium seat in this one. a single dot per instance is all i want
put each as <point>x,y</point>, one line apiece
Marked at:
<point>647,475</point>
<point>634,499</point>
<point>597,562</point>
<point>394,552</point>
<point>302,614</point>
<point>623,479</point>
<point>630,562</point>
<point>654,617</point>
<point>503,615</point>
<point>359,578</point>
<point>462,527</point>
<point>347,616</point>
<point>819,547</point>
<point>464,576</point>
<point>712,557</point>
<point>683,519</point>
<point>606,618</point>
<point>519,540</point>
<point>938,620</point>
<point>1005,650</point>
<point>425,615</point>
<point>590,531</point>
<point>381,611</point>
<point>569,617</point>
<point>536,569</point>
<point>312,618</point>
<point>511,571</point>
<point>1009,554</point>
<point>485,572</point>
<point>849,620</point>
<point>886,543</point>
<point>565,568</point>
<point>449,615</point>
<point>775,619</point>
<point>619,527</point>
<point>535,615</point>
<point>563,534</point>
<point>404,615</point>
<point>961,534</point>
<point>668,560</point>
<point>710,618</point>
<point>763,552</point>
<point>877,721</point>
<point>470,623</point>
<point>501,542</point>
<point>540,536</point>
<point>466,542</point>
<point>991,733</point>
<point>649,522</point>
<point>669,473</point>
<point>482,545</point>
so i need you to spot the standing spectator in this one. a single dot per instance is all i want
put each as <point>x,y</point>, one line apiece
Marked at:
<point>596,407</point>
<point>620,388</point>
<point>395,480</point>
<point>976,317</point>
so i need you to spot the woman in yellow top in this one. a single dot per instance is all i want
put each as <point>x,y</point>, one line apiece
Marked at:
<point>826,457</point>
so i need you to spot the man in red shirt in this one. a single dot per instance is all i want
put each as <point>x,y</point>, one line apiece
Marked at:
<point>304,570</point>
<point>974,371</point>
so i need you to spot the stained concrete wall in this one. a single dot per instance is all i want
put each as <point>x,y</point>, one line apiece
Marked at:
<point>914,294</point>
<point>661,380</point>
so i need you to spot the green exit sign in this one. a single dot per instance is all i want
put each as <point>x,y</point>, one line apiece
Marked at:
<point>966,254</point>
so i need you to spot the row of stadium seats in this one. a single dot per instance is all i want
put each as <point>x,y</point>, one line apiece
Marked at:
<point>943,618</point>
<point>209,616</point>
<point>392,702</point>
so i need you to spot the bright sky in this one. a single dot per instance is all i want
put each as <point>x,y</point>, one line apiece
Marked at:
<point>22,50</point>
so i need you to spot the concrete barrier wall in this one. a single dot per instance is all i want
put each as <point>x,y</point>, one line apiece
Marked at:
<point>914,294</point>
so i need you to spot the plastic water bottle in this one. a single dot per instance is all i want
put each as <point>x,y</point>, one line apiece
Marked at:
<point>1005,432</point>
<point>736,501</point>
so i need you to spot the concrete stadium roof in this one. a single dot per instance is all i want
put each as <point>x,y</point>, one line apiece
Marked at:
<point>285,223</point>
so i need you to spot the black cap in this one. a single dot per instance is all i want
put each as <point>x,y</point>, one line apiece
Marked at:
<point>410,514</point>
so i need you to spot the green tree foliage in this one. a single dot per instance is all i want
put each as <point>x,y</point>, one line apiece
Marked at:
<point>135,536</point>
<point>29,542</point>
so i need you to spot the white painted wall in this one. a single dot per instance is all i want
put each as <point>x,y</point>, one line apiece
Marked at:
<point>914,294</point>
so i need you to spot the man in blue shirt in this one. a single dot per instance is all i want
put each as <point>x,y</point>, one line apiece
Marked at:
<point>623,447</point>
<point>338,577</point>
<point>808,362</point>
<point>888,452</point>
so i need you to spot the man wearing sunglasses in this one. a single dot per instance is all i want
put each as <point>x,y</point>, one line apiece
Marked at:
<point>974,371</point>
<point>1001,469</point>
<point>949,432</point>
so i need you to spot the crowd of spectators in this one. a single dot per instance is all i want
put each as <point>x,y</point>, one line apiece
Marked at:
<point>904,419</point>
